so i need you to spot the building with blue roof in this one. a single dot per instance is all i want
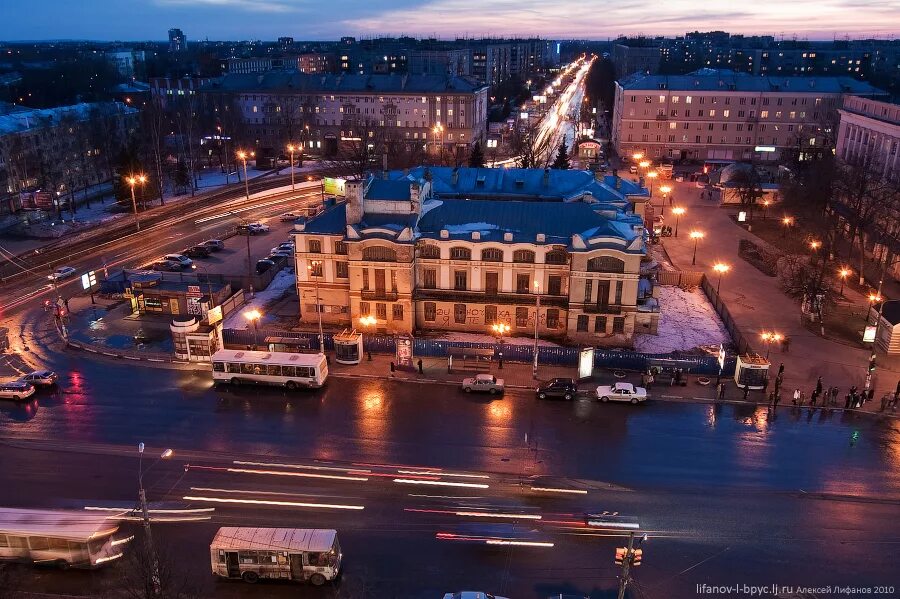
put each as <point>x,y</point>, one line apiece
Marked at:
<point>444,249</point>
<point>729,116</point>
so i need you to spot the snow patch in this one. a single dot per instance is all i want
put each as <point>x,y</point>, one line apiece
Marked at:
<point>430,205</point>
<point>686,320</point>
<point>477,338</point>
<point>282,282</point>
<point>470,228</point>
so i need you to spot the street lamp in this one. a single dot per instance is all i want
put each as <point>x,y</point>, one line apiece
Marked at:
<point>843,273</point>
<point>242,156</point>
<point>665,189</point>
<point>644,163</point>
<point>678,211</point>
<point>436,130</point>
<point>315,268</point>
<point>132,181</point>
<point>696,236</point>
<point>652,175</point>
<point>254,316</point>
<point>145,516</point>
<point>787,221</point>
<point>766,204</point>
<point>500,328</point>
<point>291,149</point>
<point>721,268</point>
<point>770,338</point>
<point>814,245</point>
<point>537,314</point>
<point>637,155</point>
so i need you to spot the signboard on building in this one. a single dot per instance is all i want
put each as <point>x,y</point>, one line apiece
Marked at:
<point>193,291</point>
<point>869,334</point>
<point>214,314</point>
<point>586,363</point>
<point>404,352</point>
<point>193,305</point>
<point>334,186</point>
<point>764,149</point>
<point>88,280</point>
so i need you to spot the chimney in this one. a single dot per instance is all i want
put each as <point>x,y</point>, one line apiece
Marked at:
<point>507,237</point>
<point>476,235</point>
<point>546,180</point>
<point>414,197</point>
<point>445,234</point>
<point>454,177</point>
<point>353,190</point>
<point>540,238</point>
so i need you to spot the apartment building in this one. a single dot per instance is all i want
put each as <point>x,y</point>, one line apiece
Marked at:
<point>443,249</point>
<point>729,116</point>
<point>870,131</point>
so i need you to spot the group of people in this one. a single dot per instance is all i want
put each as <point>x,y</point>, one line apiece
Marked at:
<point>854,399</point>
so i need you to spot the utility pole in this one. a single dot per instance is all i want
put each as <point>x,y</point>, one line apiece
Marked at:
<point>626,566</point>
<point>537,317</point>
<point>148,537</point>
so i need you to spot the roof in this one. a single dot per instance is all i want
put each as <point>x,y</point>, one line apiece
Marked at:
<point>274,539</point>
<point>29,119</point>
<point>383,189</point>
<point>891,311</point>
<point>722,81</point>
<point>331,221</point>
<point>267,357</point>
<point>312,83</point>
<point>60,524</point>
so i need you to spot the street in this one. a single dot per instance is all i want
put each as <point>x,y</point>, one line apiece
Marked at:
<point>783,498</point>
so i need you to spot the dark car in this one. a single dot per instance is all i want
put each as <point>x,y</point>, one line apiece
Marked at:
<point>197,251</point>
<point>263,266</point>
<point>167,266</point>
<point>214,245</point>
<point>557,389</point>
<point>278,260</point>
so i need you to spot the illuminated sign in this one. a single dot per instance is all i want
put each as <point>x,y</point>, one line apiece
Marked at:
<point>742,217</point>
<point>869,334</point>
<point>214,315</point>
<point>334,186</point>
<point>88,279</point>
<point>586,363</point>
<point>764,149</point>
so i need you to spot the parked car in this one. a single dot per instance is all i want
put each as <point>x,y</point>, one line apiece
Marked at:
<point>166,266</point>
<point>471,595</point>
<point>557,388</point>
<point>282,253</point>
<point>252,229</point>
<point>214,245</point>
<point>621,392</point>
<point>278,259</point>
<point>287,246</point>
<point>483,383</point>
<point>16,390</point>
<point>197,251</point>
<point>263,266</point>
<point>179,259</point>
<point>62,272</point>
<point>289,216</point>
<point>40,378</point>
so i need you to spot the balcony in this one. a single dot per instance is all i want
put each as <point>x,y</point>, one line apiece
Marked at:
<point>368,294</point>
<point>662,117</point>
<point>612,309</point>
<point>481,297</point>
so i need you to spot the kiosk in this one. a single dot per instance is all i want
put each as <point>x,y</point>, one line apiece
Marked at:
<point>348,347</point>
<point>751,371</point>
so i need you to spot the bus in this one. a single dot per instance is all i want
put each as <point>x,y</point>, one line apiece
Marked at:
<point>304,554</point>
<point>289,370</point>
<point>62,537</point>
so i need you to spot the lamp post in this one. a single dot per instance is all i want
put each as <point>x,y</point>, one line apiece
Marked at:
<point>770,338</point>
<point>132,181</point>
<point>814,245</point>
<point>678,211</point>
<point>787,221</point>
<point>537,314</point>
<point>665,189</point>
<point>721,268</point>
<point>315,268</point>
<point>242,155</point>
<point>652,175</point>
<point>291,149</point>
<point>439,129</point>
<point>254,316</point>
<point>637,156</point>
<point>843,273</point>
<point>873,298</point>
<point>696,236</point>
<point>155,579</point>
<point>766,204</point>
<point>368,321</point>
<point>500,328</point>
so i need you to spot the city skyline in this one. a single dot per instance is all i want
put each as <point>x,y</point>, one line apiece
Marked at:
<point>270,19</point>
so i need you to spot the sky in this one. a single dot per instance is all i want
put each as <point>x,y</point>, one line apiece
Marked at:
<point>331,19</point>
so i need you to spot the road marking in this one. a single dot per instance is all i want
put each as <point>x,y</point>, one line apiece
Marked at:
<point>440,483</point>
<point>552,490</point>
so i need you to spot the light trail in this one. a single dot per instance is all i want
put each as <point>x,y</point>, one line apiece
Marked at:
<point>196,510</point>
<point>272,502</point>
<point>279,473</point>
<point>440,483</point>
<point>552,490</point>
<point>474,514</point>
<point>518,543</point>
<point>451,474</point>
<point>301,466</point>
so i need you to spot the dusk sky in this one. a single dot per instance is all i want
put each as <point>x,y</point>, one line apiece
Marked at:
<point>318,19</point>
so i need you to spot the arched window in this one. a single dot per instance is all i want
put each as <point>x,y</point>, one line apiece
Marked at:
<point>430,251</point>
<point>492,255</point>
<point>523,256</point>
<point>379,253</point>
<point>460,253</point>
<point>605,264</point>
<point>557,257</point>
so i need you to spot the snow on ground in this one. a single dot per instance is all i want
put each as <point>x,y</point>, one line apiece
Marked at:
<point>686,320</point>
<point>282,282</point>
<point>476,338</point>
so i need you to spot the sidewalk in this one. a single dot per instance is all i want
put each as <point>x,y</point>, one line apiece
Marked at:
<point>757,303</point>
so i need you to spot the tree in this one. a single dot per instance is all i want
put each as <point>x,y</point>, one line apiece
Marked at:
<point>562,158</point>
<point>476,156</point>
<point>154,127</point>
<point>529,142</point>
<point>181,177</point>
<point>748,186</point>
<point>357,156</point>
<point>135,575</point>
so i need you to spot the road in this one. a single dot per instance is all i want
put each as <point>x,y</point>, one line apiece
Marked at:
<point>557,126</point>
<point>727,493</point>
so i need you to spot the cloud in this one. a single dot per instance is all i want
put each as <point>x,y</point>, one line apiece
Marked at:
<point>268,6</point>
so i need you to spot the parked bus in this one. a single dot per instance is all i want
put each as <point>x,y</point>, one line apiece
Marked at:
<point>271,368</point>
<point>66,538</point>
<point>305,554</point>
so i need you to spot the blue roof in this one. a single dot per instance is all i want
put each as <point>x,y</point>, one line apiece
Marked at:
<point>722,81</point>
<point>385,189</point>
<point>332,221</point>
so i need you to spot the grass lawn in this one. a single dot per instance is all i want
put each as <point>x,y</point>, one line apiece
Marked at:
<point>790,240</point>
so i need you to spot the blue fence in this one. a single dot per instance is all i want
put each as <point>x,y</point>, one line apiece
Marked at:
<point>553,356</point>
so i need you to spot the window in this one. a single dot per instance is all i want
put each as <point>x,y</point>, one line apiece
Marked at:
<point>248,557</point>
<point>379,253</point>
<point>460,280</point>
<point>394,281</point>
<point>430,251</point>
<point>523,283</point>
<point>618,324</point>
<point>314,246</point>
<point>600,324</point>
<point>430,311</point>
<point>554,285</point>
<point>340,247</point>
<point>39,543</point>
<point>490,314</point>
<point>429,278</point>
<point>492,255</point>
<point>315,268</point>
<point>365,279</point>
<point>341,271</point>
<point>381,311</point>
<point>459,313</point>
<point>556,257</point>
<point>588,290</point>
<point>618,293</point>
<point>582,323</point>
<point>460,253</point>
<point>605,264</point>
<point>523,256</point>
<point>397,311</point>
<point>521,317</point>
<point>552,318</point>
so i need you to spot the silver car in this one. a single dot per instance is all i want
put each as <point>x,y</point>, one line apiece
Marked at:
<point>483,383</point>
<point>16,390</point>
<point>41,378</point>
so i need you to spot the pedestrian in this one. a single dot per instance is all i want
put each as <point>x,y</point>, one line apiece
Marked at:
<point>781,372</point>
<point>796,397</point>
<point>420,366</point>
<point>871,394</point>
<point>847,401</point>
<point>884,401</point>
<point>776,399</point>
<point>813,397</point>
<point>650,380</point>
<point>819,387</point>
<point>785,344</point>
<point>720,391</point>
<point>66,303</point>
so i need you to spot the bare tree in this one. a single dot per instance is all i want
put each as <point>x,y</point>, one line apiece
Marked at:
<point>530,145</point>
<point>135,580</point>
<point>184,116</point>
<point>748,186</point>
<point>154,126</point>
<point>359,153</point>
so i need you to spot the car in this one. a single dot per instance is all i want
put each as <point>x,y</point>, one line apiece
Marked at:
<point>282,253</point>
<point>16,390</point>
<point>287,246</point>
<point>40,378</point>
<point>214,245</point>
<point>483,383</point>
<point>621,392</point>
<point>62,272</point>
<point>252,229</point>
<point>558,388</point>
<point>179,259</point>
<point>277,259</point>
<point>197,251</point>
<point>289,216</point>
<point>263,266</point>
<point>471,595</point>
<point>259,227</point>
<point>166,266</point>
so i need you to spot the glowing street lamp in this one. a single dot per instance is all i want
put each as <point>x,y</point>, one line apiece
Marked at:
<point>843,273</point>
<point>678,211</point>
<point>766,204</point>
<point>721,268</point>
<point>132,181</point>
<point>254,316</point>
<point>291,149</point>
<point>787,221</point>
<point>644,163</point>
<point>696,236</point>
<point>814,245</point>
<point>242,156</point>
<point>500,329</point>
<point>771,338</point>
<point>652,175</point>
<point>637,155</point>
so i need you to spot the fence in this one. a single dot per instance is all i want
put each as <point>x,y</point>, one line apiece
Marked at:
<point>679,278</point>
<point>554,356</point>
<point>741,343</point>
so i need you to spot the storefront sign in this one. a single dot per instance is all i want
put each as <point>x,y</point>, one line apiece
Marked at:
<point>334,186</point>
<point>214,314</point>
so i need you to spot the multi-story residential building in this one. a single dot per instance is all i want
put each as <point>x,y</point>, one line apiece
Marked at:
<point>286,43</point>
<point>257,64</point>
<point>443,249</point>
<point>635,57</point>
<point>327,110</point>
<point>316,63</point>
<point>177,41</point>
<point>729,117</point>
<point>453,61</point>
<point>166,88</point>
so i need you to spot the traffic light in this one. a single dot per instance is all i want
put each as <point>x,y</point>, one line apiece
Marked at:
<point>621,552</point>
<point>636,557</point>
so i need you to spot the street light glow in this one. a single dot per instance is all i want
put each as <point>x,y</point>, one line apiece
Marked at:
<point>368,321</point>
<point>697,235</point>
<point>721,267</point>
<point>253,314</point>
<point>637,155</point>
<point>665,188</point>
<point>844,272</point>
<point>644,163</point>
<point>815,244</point>
<point>652,175</point>
<point>788,221</point>
<point>678,211</point>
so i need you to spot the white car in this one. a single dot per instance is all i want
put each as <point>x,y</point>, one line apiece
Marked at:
<point>259,227</point>
<point>62,272</point>
<point>16,390</point>
<point>483,383</point>
<point>471,595</point>
<point>621,392</point>
<point>289,216</point>
<point>41,378</point>
<point>180,259</point>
